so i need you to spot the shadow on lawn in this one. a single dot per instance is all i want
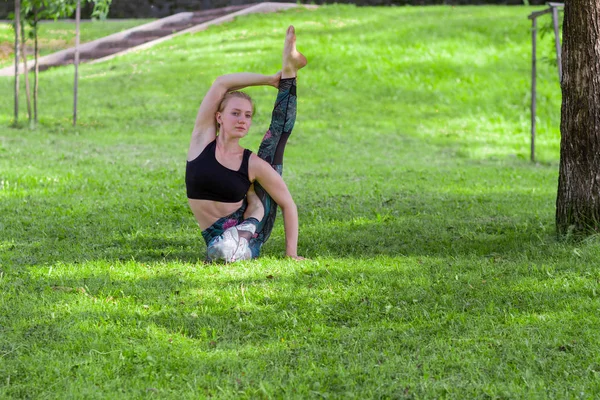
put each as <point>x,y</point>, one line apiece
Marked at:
<point>420,236</point>
<point>422,225</point>
<point>294,304</point>
<point>290,322</point>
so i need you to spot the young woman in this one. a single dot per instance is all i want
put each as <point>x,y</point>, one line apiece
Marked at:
<point>233,192</point>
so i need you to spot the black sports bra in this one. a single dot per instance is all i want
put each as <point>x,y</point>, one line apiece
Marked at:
<point>207,179</point>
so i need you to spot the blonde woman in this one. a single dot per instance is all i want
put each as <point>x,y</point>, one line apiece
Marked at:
<point>234,193</point>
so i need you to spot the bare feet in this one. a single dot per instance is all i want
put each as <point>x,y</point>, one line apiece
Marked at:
<point>255,207</point>
<point>293,60</point>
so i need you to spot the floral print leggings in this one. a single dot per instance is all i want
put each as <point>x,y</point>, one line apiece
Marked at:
<point>271,150</point>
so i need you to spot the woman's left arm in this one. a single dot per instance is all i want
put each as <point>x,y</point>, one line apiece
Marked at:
<point>270,180</point>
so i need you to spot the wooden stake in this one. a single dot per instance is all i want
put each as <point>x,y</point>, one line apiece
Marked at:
<point>533,84</point>
<point>76,60</point>
<point>17,30</point>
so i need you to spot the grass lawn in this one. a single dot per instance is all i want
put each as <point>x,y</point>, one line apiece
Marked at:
<point>434,268</point>
<point>58,35</point>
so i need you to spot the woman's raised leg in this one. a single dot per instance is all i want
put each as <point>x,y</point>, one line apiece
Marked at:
<point>273,144</point>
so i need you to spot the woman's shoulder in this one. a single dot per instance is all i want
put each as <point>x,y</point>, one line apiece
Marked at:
<point>260,169</point>
<point>256,160</point>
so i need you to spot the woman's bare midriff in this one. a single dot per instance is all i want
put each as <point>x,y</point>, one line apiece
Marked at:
<point>207,212</point>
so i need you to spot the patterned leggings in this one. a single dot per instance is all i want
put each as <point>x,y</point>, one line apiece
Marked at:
<point>232,238</point>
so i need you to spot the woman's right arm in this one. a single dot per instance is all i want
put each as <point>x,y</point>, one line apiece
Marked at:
<point>205,120</point>
<point>205,128</point>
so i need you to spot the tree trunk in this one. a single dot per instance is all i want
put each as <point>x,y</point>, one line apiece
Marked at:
<point>578,200</point>
<point>25,72</point>
<point>36,68</point>
<point>76,60</point>
<point>17,30</point>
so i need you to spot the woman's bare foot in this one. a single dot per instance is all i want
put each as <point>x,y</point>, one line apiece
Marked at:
<point>293,60</point>
<point>255,207</point>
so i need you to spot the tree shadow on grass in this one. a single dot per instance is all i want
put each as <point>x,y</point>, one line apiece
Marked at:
<point>191,304</point>
<point>153,323</point>
<point>293,325</point>
<point>424,223</point>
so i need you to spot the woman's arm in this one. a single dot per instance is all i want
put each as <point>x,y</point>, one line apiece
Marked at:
<point>205,128</point>
<point>223,84</point>
<point>277,189</point>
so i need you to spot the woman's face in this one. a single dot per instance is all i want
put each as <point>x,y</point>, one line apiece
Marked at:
<point>236,117</point>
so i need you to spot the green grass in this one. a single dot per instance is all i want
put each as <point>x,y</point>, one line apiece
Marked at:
<point>58,35</point>
<point>434,269</point>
